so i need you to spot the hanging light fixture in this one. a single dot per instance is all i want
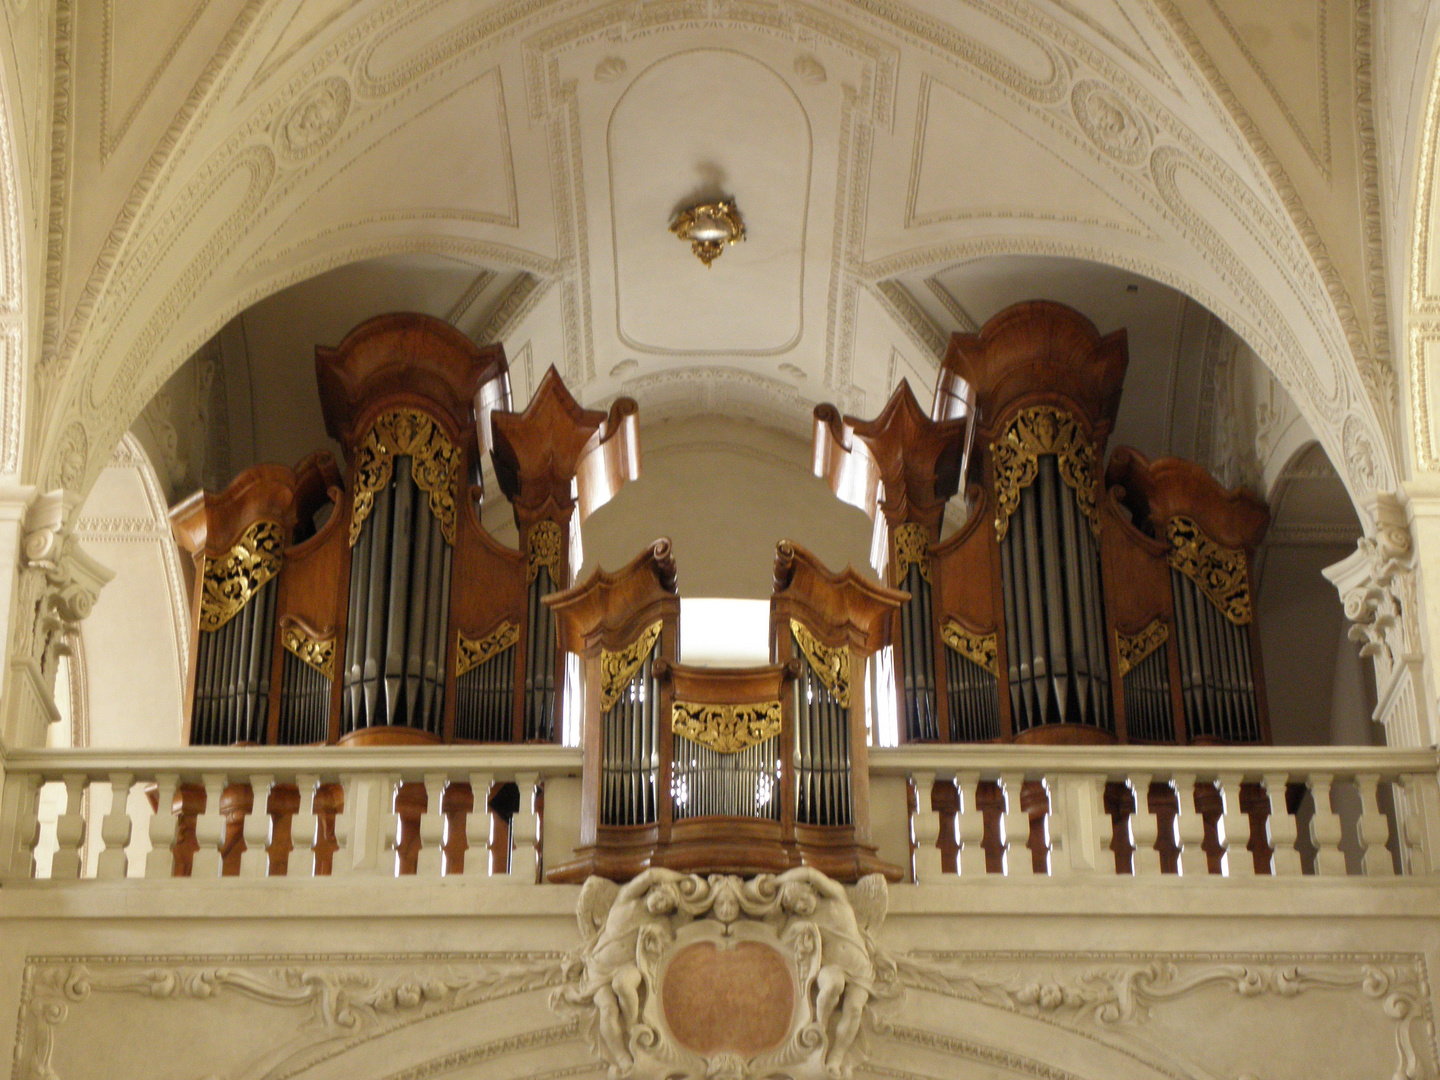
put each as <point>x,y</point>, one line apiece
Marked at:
<point>709,227</point>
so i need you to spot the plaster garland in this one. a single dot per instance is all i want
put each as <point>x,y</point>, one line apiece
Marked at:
<point>344,1002</point>
<point>1123,990</point>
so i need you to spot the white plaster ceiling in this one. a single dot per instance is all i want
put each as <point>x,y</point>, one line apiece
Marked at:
<point>872,148</point>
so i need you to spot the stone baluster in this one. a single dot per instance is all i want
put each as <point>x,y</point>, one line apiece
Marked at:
<point>477,827</point>
<point>255,859</point>
<point>1145,827</point>
<point>1017,827</point>
<point>1417,804</point>
<point>115,829</point>
<point>21,821</point>
<point>1283,828</point>
<point>1239,862</point>
<point>1373,829</point>
<point>971,826</point>
<point>160,862</point>
<point>926,824</point>
<point>430,862</point>
<point>525,833</point>
<point>1080,829</point>
<point>342,863</point>
<point>209,829</point>
<point>70,830</point>
<point>1326,829</point>
<point>1189,827</point>
<point>302,828</point>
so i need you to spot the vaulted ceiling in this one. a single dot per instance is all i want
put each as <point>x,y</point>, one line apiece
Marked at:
<point>904,170</point>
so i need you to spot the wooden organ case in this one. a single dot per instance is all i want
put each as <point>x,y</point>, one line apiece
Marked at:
<point>725,770</point>
<point>398,618</point>
<point>1075,604</point>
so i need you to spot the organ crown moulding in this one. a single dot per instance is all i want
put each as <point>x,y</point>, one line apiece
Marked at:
<point>709,227</point>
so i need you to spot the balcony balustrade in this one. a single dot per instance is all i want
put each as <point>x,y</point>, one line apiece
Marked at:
<point>989,814</point>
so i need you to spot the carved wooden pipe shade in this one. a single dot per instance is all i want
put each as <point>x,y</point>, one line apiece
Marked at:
<point>1064,609</point>
<point>399,618</point>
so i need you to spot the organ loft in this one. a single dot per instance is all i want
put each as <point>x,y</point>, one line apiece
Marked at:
<point>1084,599</point>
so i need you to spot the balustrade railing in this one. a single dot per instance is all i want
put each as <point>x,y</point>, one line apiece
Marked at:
<point>1004,811</point>
<point>333,812</point>
<point>976,813</point>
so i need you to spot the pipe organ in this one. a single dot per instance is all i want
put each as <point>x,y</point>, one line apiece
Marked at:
<point>1064,609</point>
<point>373,606</point>
<point>725,770</point>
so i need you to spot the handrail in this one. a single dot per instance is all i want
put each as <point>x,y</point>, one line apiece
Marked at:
<point>325,760</point>
<point>1127,760</point>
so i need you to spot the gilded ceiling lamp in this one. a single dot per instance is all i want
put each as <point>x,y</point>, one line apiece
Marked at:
<point>709,227</point>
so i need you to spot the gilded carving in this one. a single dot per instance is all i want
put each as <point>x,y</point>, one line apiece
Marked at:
<point>982,649</point>
<point>726,729</point>
<point>912,548</point>
<point>1218,571</point>
<point>618,668</point>
<point>470,653</point>
<point>543,548</point>
<point>233,579</point>
<point>434,464</point>
<point>832,666</point>
<point>1130,649</point>
<point>1042,429</point>
<point>319,653</point>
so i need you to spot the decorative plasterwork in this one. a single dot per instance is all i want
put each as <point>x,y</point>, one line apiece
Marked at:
<point>336,1002</point>
<point>1111,998</point>
<point>792,956</point>
<point>1423,343</point>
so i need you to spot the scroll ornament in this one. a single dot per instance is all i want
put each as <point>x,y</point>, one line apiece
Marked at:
<point>471,653</point>
<point>618,668</point>
<point>434,465</point>
<point>233,579</point>
<point>981,649</point>
<point>1131,649</point>
<point>726,729</point>
<point>1218,571</point>
<point>319,653</point>
<point>831,665</point>
<point>543,548</point>
<point>912,548</point>
<point>811,987</point>
<point>1042,429</point>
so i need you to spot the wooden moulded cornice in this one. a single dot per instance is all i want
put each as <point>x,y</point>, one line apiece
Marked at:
<point>213,522</point>
<point>539,452</point>
<point>843,607</point>
<point>1037,350</point>
<point>906,465</point>
<point>1157,491</point>
<point>608,606</point>
<point>401,359</point>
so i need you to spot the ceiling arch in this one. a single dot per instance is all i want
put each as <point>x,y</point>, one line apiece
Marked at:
<point>289,160</point>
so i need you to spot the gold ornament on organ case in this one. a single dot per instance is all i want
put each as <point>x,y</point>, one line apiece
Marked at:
<point>434,465</point>
<point>831,665</point>
<point>470,653</point>
<point>231,580</point>
<point>726,729</point>
<point>1130,649</point>
<point>543,549</point>
<point>619,667</point>
<point>1042,429</point>
<point>912,548</point>
<point>319,653</point>
<point>981,649</point>
<point>1218,571</point>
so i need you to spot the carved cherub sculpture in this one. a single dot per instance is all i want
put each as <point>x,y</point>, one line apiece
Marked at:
<point>621,925</point>
<point>846,978</point>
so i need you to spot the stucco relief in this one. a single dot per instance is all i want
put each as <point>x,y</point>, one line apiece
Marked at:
<point>316,1007</point>
<point>775,977</point>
